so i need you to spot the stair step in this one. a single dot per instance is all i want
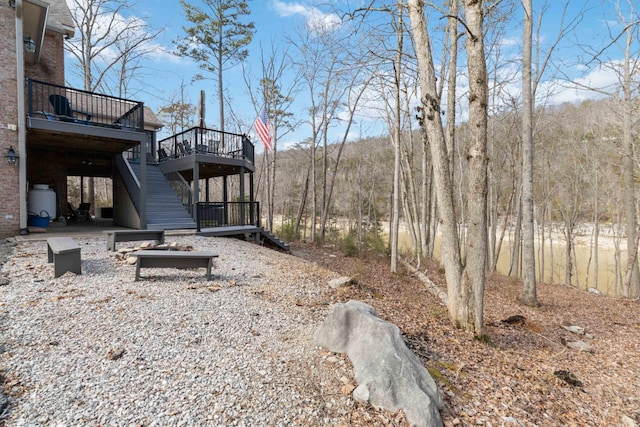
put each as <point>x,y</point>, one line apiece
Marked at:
<point>172,226</point>
<point>168,218</point>
<point>165,210</point>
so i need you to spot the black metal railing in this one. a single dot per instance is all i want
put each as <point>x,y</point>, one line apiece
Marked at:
<point>221,214</point>
<point>182,190</point>
<point>199,140</point>
<point>54,102</point>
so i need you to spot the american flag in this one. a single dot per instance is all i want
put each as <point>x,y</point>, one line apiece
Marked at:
<point>263,128</point>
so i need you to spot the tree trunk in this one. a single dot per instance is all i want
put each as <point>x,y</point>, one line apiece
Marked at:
<point>416,204</point>
<point>395,226</point>
<point>505,224</point>
<point>596,234</point>
<point>273,167</point>
<point>450,251</point>
<point>268,187</point>
<point>474,273</point>
<point>220,87</point>
<point>314,196</point>
<point>426,198</point>
<point>529,296</point>
<point>568,265</point>
<point>514,266</point>
<point>633,275</point>
<point>452,36</point>
<point>303,203</point>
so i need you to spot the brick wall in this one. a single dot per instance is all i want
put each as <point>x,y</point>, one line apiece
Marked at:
<point>50,69</point>
<point>41,170</point>
<point>9,184</point>
<point>51,66</point>
<point>40,167</point>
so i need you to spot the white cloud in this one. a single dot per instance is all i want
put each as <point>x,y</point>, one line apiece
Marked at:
<point>289,9</point>
<point>315,18</point>
<point>510,42</point>
<point>132,28</point>
<point>163,54</point>
<point>600,80</point>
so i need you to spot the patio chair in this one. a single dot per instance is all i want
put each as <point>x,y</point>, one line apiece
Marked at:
<point>63,110</point>
<point>162,155</point>
<point>184,147</point>
<point>81,214</point>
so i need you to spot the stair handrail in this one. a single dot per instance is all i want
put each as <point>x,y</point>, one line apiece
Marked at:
<point>182,189</point>
<point>130,179</point>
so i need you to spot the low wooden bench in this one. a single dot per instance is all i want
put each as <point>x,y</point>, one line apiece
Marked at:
<point>114,236</point>
<point>64,252</point>
<point>173,259</point>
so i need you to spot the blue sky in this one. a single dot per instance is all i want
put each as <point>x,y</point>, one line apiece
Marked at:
<point>275,20</point>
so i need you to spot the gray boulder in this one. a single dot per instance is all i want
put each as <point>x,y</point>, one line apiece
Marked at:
<point>339,282</point>
<point>389,375</point>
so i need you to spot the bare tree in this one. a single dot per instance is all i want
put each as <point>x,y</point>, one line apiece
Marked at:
<point>530,296</point>
<point>465,284</point>
<point>326,65</point>
<point>624,42</point>
<point>397,87</point>
<point>278,87</point>
<point>178,114</point>
<point>105,37</point>
<point>474,274</point>
<point>131,50</point>
<point>530,82</point>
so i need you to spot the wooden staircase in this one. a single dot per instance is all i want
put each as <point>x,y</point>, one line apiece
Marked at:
<point>275,240</point>
<point>165,211</point>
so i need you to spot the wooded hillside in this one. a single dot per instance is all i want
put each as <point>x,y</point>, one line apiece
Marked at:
<point>578,172</point>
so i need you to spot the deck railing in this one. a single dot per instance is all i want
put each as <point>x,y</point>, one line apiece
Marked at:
<point>199,140</point>
<point>182,189</point>
<point>54,102</point>
<point>221,214</point>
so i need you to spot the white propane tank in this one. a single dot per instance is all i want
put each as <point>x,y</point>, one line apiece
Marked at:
<point>42,198</point>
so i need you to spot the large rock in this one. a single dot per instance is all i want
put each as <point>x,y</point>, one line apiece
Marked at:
<point>389,375</point>
<point>339,282</point>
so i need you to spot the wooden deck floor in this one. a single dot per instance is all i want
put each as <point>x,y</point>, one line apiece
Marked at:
<point>229,230</point>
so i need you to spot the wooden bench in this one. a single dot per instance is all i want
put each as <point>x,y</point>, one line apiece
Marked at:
<point>173,259</point>
<point>64,252</point>
<point>114,236</point>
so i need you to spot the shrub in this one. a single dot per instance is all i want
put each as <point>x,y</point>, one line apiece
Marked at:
<point>287,231</point>
<point>349,245</point>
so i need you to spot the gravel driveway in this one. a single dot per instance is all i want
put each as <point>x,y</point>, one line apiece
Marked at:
<point>173,349</point>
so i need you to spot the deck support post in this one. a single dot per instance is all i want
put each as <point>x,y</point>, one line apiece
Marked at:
<point>242,217</point>
<point>225,198</point>
<point>196,186</point>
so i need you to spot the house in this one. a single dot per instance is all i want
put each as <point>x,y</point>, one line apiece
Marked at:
<point>49,132</point>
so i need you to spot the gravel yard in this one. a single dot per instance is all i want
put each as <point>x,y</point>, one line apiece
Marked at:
<point>173,348</point>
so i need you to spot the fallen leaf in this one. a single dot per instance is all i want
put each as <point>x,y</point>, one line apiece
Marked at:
<point>347,389</point>
<point>115,354</point>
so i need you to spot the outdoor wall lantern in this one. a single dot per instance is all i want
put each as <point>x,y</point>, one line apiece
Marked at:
<point>12,3</point>
<point>29,45</point>
<point>11,157</point>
